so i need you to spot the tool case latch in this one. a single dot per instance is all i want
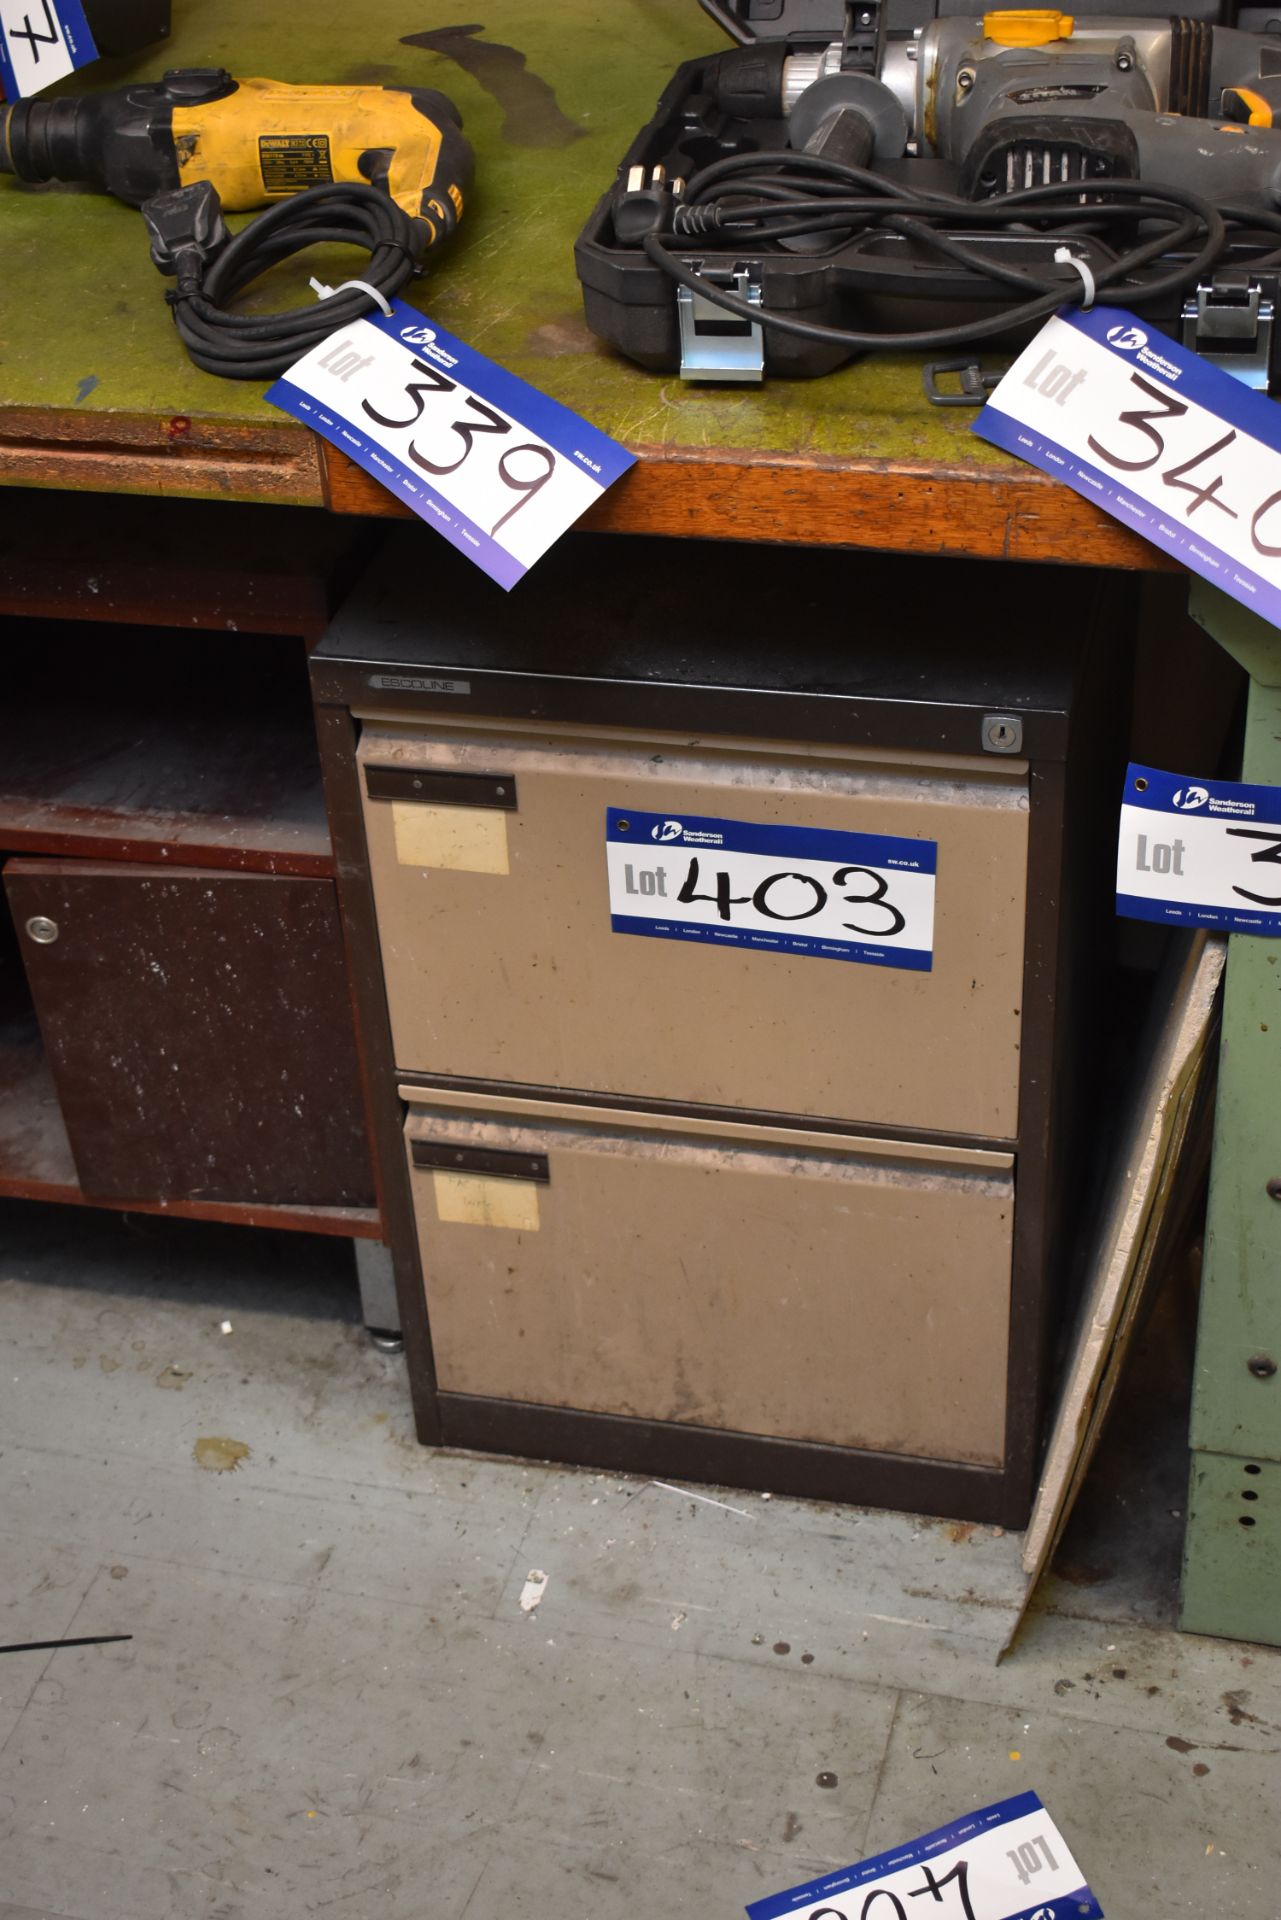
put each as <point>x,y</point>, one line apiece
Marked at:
<point>716,344</point>
<point>1229,320</point>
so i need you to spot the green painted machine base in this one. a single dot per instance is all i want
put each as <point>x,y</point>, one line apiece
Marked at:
<point>1232,1561</point>
<point>1232,1553</point>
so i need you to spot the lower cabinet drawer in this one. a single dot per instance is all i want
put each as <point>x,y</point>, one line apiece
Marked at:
<point>795,1285</point>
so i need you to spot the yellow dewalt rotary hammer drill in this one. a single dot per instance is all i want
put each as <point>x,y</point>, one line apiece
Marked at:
<point>380,167</point>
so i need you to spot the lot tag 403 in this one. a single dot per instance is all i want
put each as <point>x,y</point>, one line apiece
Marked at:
<point>41,41</point>
<point>1158,437</point>
<point>1199,853</point>
<point>790,890</point>
<point>1006,1862</point>
<point>495,466</point>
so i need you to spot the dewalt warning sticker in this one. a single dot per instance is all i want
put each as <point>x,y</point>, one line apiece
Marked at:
<point>293,160</point>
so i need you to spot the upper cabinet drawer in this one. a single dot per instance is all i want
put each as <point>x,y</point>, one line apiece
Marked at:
<point>493,894</point>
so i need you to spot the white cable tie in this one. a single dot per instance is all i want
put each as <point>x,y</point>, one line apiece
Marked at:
<point>1063,257</point>
<point>323,292</point>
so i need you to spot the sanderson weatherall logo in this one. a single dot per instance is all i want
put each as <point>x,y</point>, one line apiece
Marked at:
<point>1187,799</point>
<point>1133,340</point>
<point>424,338</point>
<point>672,832</point>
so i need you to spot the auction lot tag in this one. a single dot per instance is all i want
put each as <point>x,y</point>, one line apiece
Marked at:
<point>1199,853</point>
<point>1161,439</point>
<point>41,41</point>
<point>480,455</point>
<point>1006,1862</point>
<point>839,896</point>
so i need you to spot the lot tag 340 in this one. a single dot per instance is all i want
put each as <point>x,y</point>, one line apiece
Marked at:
<point>1159,438</point>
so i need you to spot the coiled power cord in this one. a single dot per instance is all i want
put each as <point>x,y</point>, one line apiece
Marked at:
<point>1157,240</point>
<point>191,242</point>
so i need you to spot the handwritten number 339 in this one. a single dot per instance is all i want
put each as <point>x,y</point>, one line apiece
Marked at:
<point>468,431</point>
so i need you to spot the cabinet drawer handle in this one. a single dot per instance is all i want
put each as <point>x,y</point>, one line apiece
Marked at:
<point>442,789</point>
<point>495,1162</point>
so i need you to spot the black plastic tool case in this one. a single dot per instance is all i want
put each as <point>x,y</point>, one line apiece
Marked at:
<point>632,304</point>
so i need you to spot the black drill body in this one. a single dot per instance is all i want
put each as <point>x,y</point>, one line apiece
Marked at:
<point>121,142</point>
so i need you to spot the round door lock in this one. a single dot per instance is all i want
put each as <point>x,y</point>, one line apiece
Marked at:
<point>43,931</point>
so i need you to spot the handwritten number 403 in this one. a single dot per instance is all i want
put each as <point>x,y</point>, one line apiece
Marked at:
<point>874,900</point>
<point>1146,422</point>
<point>488,420</point>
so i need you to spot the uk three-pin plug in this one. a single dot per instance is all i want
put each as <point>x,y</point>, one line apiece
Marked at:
<point>645,205</point>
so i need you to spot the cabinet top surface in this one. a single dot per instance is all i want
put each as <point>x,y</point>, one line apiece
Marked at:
<point>735,640</point>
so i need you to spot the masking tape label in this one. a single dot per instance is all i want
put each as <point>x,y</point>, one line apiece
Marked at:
<point>456,839</point>
<point>474,1200</point>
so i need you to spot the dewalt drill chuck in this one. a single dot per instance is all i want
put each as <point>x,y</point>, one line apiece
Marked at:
<point>384,168</point>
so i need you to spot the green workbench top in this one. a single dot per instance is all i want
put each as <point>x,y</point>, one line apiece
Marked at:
<point>84,327</point>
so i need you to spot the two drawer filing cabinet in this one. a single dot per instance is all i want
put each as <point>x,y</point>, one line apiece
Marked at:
<point>725,922</point>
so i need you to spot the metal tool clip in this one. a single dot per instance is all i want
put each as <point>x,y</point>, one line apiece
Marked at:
<point>975,384</point>
<point>716,344</point>
<point>1229,320</point>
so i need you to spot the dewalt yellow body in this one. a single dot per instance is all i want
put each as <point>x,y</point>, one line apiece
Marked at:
<point>255,142</point>
<point>267,140</point>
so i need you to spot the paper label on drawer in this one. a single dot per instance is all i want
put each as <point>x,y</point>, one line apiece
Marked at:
<point>790,890</point>
<point>1005,1862</point>
<point>473,1200</point>
<point>457,839</point>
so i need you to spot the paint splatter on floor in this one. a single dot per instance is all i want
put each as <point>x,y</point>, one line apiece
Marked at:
<point>218,1455</point>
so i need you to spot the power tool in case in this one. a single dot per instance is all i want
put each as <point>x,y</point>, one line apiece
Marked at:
<point>884,175</point>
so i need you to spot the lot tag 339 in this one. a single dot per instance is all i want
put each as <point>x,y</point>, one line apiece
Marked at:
<point>1199,853</point>
<point>41,41</point>
<point>1005,1862</point>
<point>487,460</point>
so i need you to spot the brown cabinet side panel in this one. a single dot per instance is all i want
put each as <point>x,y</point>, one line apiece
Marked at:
<point>199,1031</point>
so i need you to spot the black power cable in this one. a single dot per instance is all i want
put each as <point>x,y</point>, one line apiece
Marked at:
<point>1167,240</point>
<point>211,269</point>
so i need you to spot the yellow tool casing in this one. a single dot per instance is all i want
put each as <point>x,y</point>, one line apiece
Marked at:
<point>266,140</point>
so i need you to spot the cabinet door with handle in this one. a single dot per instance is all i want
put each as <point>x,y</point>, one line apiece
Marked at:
<point>199,1031</point>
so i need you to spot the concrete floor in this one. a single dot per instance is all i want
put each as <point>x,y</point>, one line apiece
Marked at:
<point>333,1703</point>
